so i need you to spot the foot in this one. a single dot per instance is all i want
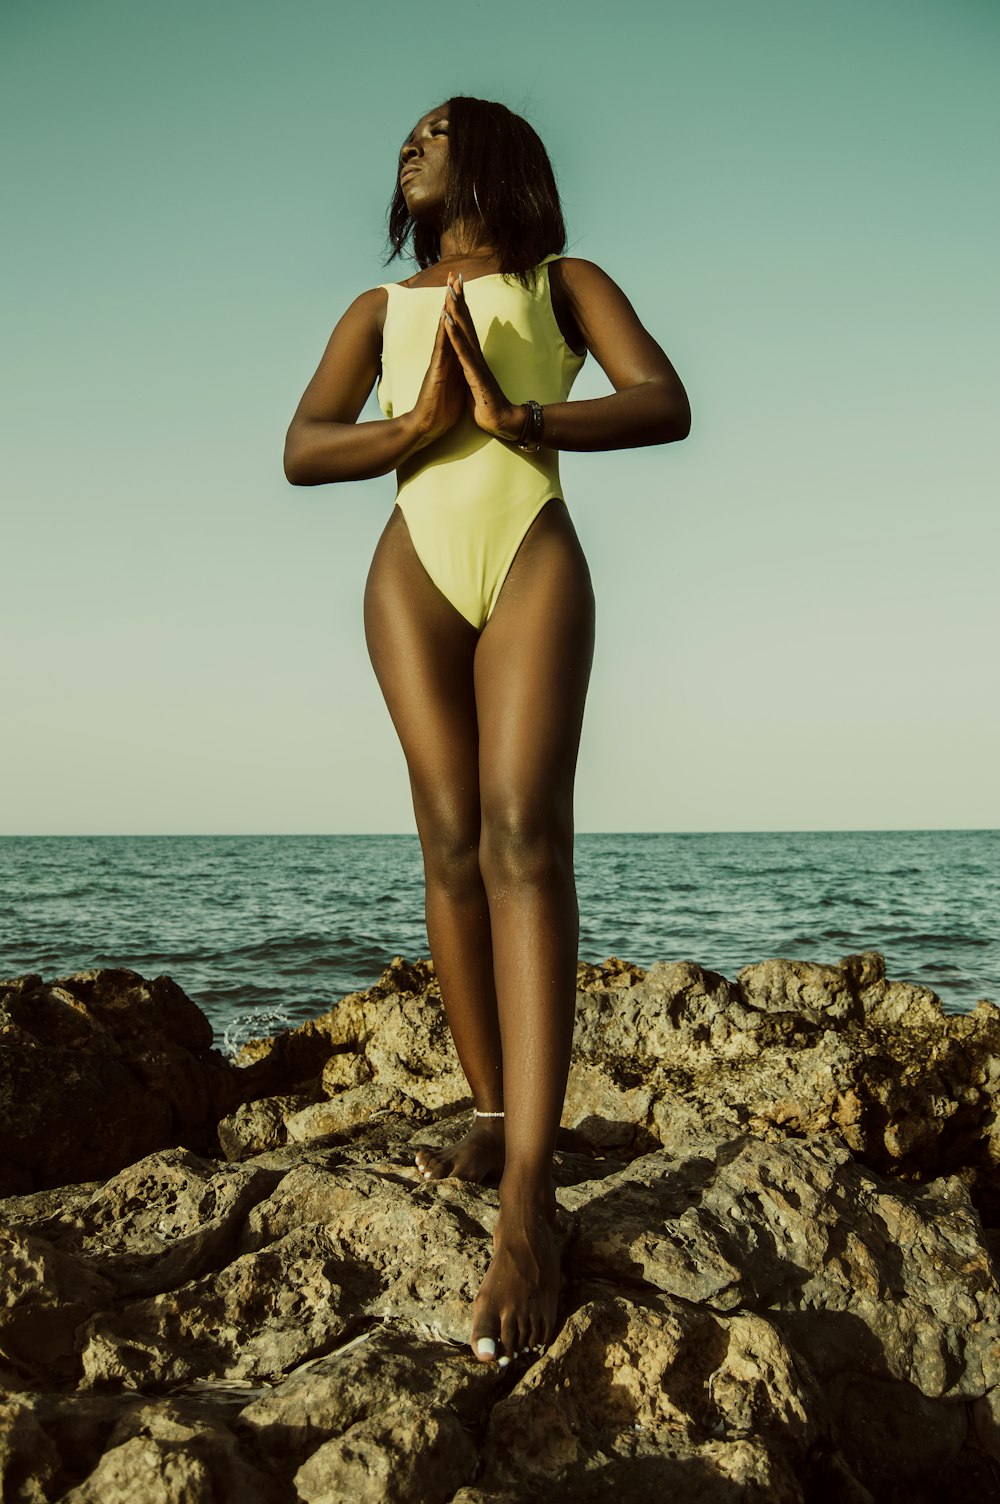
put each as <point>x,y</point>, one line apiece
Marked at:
<point>478,1156</point>
<point>516,1309</point>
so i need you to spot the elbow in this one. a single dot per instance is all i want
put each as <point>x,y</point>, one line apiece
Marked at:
<point>669,418</point>
<point>678,418</point>
<point>674,425</point>
<point>293,462</point>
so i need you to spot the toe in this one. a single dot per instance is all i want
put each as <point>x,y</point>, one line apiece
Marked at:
<point>509,1337</point>
<point>484,1346</point>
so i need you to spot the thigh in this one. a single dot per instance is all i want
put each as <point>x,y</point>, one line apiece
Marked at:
<point>532,669</point>
<point>422,652</point>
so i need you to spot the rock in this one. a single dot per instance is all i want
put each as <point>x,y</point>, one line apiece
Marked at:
<point>345,1070</point>
<point>390,1425</point>
<point>257,1126</point>
<point>46,1295</point>
<point>29,1458</point>
<point>847,1267</point>
<point>809,992</point>
<point>776,1279</point>
<point>157,1223</point>
<point>170,1461</point>
<point>642,1396</point>
<point>347,1110</point>
<point>259,1314</point>
<point>99,1069</point>
<point>408,1451</point>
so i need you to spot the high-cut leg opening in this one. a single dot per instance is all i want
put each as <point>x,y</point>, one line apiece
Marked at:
<point>516,548</point>
<point>477,626</point>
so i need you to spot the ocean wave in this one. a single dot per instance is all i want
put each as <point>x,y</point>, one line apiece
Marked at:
<point>910,937</point>
<point>289,924</point>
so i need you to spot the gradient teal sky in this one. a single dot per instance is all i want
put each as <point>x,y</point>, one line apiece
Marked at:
<point>797,607</point>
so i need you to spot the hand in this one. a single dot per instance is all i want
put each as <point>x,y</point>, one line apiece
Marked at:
<point>442,398</point>
<point>491,410</point>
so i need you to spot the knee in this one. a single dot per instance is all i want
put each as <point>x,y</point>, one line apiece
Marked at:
<point>450,845</point>
<point>525,845</point>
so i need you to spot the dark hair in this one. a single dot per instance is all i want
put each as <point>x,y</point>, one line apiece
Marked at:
<point>498,172</point>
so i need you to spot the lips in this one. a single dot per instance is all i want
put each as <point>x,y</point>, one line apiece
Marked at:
<point>407,173</point>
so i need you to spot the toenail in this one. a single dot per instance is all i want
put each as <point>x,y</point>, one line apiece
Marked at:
<point>503,1362</point>
<point>486,1347</point>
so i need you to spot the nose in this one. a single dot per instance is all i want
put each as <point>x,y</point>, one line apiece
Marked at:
<point>410,150</point>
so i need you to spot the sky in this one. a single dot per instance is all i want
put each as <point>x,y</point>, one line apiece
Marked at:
<point>797,618</point>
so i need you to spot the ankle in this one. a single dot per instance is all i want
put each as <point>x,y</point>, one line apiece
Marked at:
<point>527,1187</point>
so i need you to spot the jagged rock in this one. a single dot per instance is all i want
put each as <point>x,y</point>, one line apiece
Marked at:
<point>343,1071</point>
<point>644,1396</point>
<point>156,1455</point>
<point>45,1295</point>
<point>159,1222</point>
<point>851,1269</point>
<point>260,1125</point>
<point>29,1457</point>
<point>375,1421</point>
<point>791,1048</point>
<point>347,1110</point>
<point>98,1069</point>
<point>752,1307</point>
<point>259,1314</point>
<point>423,1251</point>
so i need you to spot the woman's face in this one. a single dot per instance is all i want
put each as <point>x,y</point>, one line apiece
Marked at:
<point>423,165</point>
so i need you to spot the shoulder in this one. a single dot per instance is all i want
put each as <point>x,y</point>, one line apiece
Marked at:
<point>579,278</point>
<point>584,299</point>
<point>358,332</point>
<point>591,295</point>
<point>368,310</point>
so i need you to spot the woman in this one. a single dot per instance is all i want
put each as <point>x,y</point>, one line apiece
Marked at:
<point>479,618</point>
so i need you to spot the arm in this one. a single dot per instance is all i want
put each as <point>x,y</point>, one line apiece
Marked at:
<point>325,442</point>
<point>649,404</point>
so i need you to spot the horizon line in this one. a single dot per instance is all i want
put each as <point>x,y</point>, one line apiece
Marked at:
<point>257,835</point>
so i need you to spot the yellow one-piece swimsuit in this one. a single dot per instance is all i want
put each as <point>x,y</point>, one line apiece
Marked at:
<point>468,499</point>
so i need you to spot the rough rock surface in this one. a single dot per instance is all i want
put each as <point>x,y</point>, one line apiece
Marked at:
<point>98,1069</point>
<point>777,1285</point>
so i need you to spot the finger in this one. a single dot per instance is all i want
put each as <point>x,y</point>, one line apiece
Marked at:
<point>456,288</point>
<point>470,361</point>
<point>441,337</point>
<point>459,309</point>
<point>468,353</point>
<point>443,353</point>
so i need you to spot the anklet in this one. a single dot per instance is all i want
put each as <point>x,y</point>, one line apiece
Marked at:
<point>487,1114</point>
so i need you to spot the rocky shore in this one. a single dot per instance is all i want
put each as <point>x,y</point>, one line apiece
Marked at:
<point>780,1210</point>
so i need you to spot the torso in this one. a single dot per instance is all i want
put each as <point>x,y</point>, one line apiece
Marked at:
<point>468,499</point>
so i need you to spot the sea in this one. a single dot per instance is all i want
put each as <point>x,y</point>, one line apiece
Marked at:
<point>264,932</point>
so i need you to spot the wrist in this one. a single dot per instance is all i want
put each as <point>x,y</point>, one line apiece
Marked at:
<point>529,440</point>
<point>512,425</point>
<point>418,431</point>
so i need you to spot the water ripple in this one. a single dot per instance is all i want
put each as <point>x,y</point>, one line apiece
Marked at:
<point>265,928</point>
